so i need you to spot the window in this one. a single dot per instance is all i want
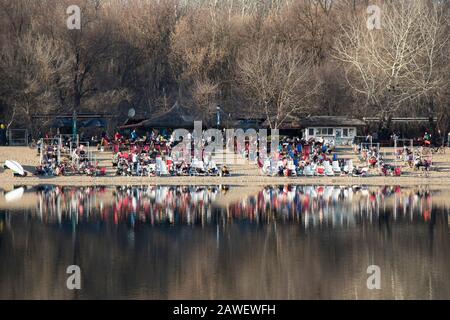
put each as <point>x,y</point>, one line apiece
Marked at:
<point>351,132</point>
<point>345,133</point>
<point>330,131</point>
<point>311,132</point>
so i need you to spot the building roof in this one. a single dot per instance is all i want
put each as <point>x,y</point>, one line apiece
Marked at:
<point>176,117</point>
<point>86,123</point>
<point>331,121</point>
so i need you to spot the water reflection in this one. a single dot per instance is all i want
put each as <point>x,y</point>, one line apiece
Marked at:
<point>191,205</point>
<point>277,242</point>
<point>134,204</point>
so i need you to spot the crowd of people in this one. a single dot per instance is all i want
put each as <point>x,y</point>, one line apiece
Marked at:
<point>315,157</point>
<point>59,156</point>
<point>152,155</point>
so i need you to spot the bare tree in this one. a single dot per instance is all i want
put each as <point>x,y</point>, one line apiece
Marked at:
<point>278,79</point>
<point>205,95</point>
<point>391,67</point>
<point>34,72</point>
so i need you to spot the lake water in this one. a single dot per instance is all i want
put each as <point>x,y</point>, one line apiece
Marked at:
<point>280,242</point>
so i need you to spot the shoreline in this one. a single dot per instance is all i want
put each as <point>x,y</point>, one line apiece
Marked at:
<point>232,180</point>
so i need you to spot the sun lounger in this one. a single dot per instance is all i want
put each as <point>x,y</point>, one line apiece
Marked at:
<point>292,169</point>
<point>320,170</point>
<point>363,172</point>
<point>308,171</point>
<point>151,169</point>
<point>197,168</point>
<point>328,169</point>
<point>161,167</point>
<point>348,168</point>
<point>271,167</point>
<point>314,167</point>
<point>336,167</point>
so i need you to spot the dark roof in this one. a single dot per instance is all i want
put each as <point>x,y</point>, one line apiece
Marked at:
<point>176,117</point>
<point>331,121</point>
<point>131,121</point>
<point>90,123</point>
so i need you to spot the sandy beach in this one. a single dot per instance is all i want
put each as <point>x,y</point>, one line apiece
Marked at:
<point>243,173</point>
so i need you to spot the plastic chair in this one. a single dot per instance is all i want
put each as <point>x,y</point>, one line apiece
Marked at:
<point>308,171</point>
<point>350,166</point>
<point>328,169</point>
<point>336,167</point>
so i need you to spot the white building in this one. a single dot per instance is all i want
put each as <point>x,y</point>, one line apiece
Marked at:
<point>339,130</point>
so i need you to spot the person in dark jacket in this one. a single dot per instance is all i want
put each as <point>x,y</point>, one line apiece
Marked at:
<point>2,135</point>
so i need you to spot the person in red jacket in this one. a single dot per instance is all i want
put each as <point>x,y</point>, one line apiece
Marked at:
<point>117,136</point>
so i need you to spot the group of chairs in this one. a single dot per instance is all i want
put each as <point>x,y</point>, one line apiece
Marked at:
<point>166,167</point>
<point>273,167</point>
<point>325,168</point>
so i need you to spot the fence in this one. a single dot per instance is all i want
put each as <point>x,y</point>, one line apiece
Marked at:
<point>61,146</point>
<point>17,137</point>
<point>86,146</point>
<point>46,147</point>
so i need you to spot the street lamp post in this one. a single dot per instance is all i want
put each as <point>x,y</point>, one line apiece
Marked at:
<point>74,126</point>
<point>218,117</point>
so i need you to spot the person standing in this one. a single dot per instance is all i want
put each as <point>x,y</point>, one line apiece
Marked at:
<point>134,135</point>
<point>427,139</point>
<point>2,134</point>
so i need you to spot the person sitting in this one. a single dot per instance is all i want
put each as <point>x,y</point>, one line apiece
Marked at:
<point>373,161</point>
<point>117,136</point>
<point>420,163</point>
<point>224,171</point>
<point>105,139</point>
<point>82,154</point>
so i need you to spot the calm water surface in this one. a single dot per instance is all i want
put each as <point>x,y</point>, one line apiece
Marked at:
<point>281,242</point>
